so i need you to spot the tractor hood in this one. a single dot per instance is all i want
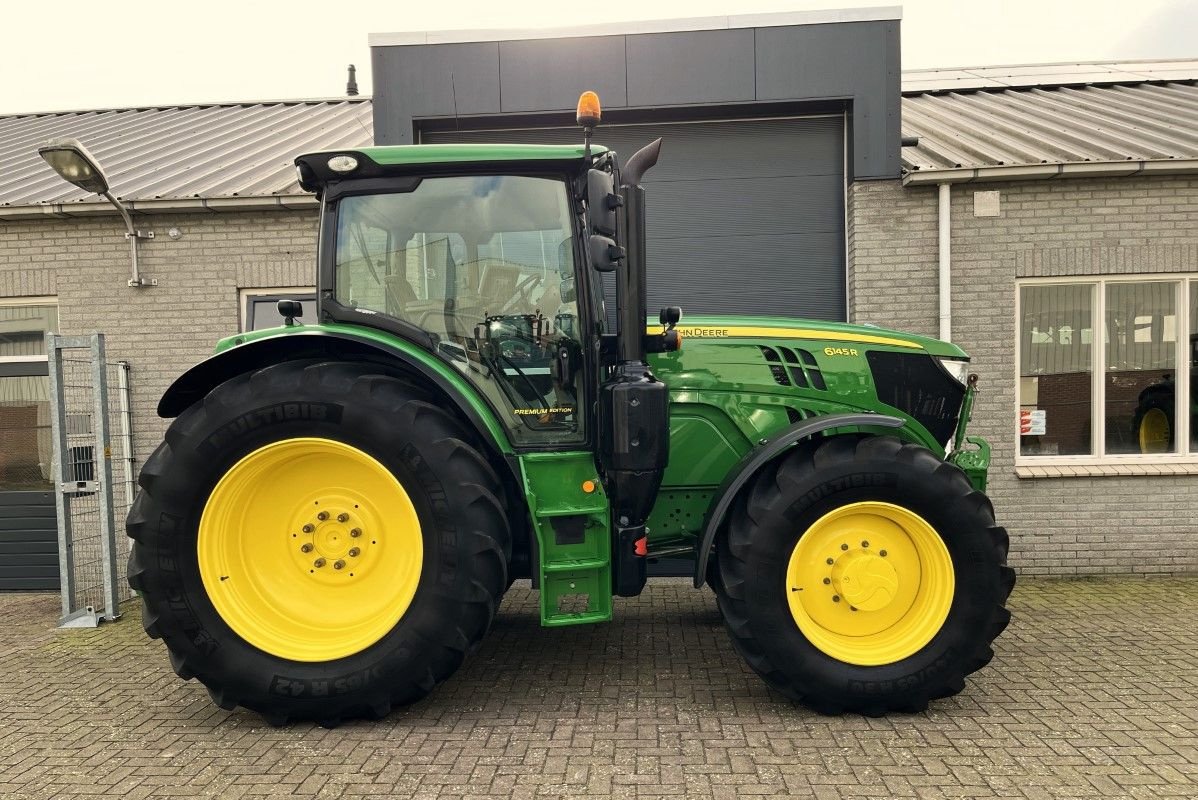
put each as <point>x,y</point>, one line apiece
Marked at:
<point>769,372</point>
<point>788,328</point>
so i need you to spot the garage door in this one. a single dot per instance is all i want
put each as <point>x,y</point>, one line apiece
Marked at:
<point>744,216</point>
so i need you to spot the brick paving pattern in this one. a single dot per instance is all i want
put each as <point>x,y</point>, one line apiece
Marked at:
<point>1094,693</point>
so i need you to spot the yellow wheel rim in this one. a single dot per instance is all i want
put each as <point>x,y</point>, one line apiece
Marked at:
<point>1154,431</point>
<point>310,549</point>
<point>870,583</point>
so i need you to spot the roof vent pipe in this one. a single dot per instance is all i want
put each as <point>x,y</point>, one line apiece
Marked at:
<point>351,85</point>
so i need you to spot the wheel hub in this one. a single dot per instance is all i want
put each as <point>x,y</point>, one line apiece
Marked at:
<point>339,536</point>
<point>865,580</point>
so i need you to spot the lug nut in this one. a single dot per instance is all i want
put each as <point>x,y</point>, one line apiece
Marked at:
<point>322,516</point>
<point>882,553</point>
<point>865,544</point>
<point>827,581</point>
<point>309,528</point>
<point>354,552</point>
<point>831,561</point>
<point>342,517</point>
<point>318,563</point>
<point>852,608</point>
<point>844,547</point>
<point>338,564</point>
<point>356,532</point>
<point>835,598</point>
<point>306,548</point>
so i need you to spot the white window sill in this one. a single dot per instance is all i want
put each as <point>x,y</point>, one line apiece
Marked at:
<point>1149,468</point>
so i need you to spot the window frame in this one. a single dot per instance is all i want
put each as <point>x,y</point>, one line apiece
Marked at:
<point>22,302</point>
<point>247,297</point>
<point>1098,455</point>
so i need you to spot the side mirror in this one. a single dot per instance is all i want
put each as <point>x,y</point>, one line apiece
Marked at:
<point>289,310</point>
<point>602,202</point>
<point>605,253</point>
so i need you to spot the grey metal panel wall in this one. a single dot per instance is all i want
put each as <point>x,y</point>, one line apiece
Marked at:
<point>594,62</point>
<point>825,58</point>
<point>669,69</point>
<point>430,81</point>
<point>28,542</point>
<point>744,216</point>
<point>853,63</point>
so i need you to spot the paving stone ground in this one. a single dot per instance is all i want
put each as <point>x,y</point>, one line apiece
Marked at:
<point>1093,693</point>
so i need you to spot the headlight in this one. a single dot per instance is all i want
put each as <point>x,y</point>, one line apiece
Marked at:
<point>956,367</point>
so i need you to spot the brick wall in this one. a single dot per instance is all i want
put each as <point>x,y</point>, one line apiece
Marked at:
<point>165,329</point>
<point>1145,524</point>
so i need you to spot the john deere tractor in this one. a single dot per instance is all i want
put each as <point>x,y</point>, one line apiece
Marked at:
<point>340,503</point>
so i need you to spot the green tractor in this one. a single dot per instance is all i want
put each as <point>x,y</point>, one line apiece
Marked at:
<point>339,505</point>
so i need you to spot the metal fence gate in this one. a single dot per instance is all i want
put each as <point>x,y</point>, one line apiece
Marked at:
<point>93,479</point>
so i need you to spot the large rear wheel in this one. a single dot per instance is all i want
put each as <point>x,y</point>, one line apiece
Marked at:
<point>318,541</point>
<point>863,574</point>
<point>1154,424</point>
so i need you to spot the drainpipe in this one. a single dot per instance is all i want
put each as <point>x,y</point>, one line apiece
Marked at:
<point>946,260</point>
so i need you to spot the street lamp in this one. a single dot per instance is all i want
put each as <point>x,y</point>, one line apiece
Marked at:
<point>75,165</point>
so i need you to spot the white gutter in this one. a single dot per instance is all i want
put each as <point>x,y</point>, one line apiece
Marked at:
<point>1078,169</point>
<point>299,202</point>
<point>944,250</point>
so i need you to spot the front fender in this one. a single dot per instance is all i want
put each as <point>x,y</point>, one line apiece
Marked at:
<point>752,461</point>
<point>333,342</point>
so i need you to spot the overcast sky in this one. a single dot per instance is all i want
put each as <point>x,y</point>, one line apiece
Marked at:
<point>74,54</point>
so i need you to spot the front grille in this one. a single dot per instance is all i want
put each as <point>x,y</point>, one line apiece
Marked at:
<point>917,385</point>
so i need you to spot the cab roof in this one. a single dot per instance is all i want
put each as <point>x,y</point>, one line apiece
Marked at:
<point>473,153</point>
<point>374,162</point>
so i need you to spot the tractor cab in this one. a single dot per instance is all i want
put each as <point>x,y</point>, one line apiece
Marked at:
<point>482,269</point>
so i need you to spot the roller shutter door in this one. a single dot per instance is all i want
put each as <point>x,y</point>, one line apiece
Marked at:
<point>745,216</point>
<point>28,541</point>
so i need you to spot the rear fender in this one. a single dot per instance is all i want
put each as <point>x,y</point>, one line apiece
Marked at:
<point>755,459</point>
<point>195,383</point>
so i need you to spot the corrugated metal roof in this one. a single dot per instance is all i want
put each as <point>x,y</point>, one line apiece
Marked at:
<point>202,151</point>
<point>1037,132</point>
<point>955,79</point>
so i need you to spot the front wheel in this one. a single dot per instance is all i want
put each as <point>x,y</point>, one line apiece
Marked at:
<point>863,574</point>
<point>316,540</point>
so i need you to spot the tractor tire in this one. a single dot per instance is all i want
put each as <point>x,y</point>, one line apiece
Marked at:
<point>863,574</point>
<point>1153,424</point>
<point>304,612</point>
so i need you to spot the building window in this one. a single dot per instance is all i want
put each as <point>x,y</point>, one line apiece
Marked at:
<point>259,307</point>
<point>23,326</point>
<point>25,441</point>
<point>1123,400</point>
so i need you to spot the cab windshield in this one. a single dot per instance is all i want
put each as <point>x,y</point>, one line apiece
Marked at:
<point>485,265</point>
